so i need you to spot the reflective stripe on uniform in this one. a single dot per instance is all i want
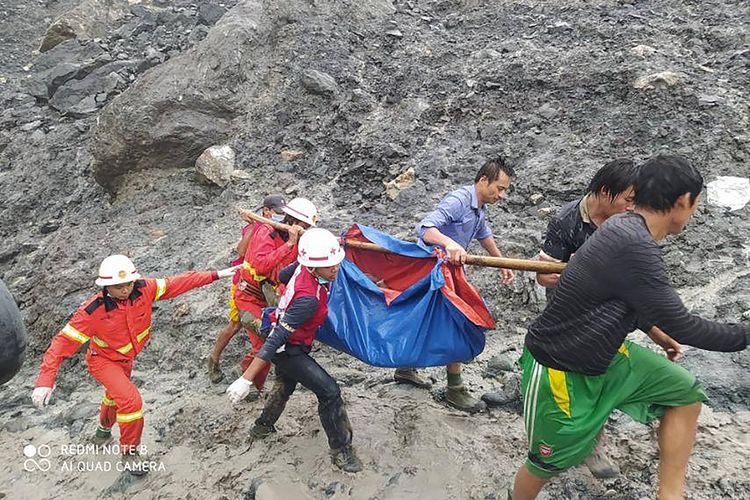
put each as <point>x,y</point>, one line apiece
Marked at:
<point>129,347</point>
<point>125,349</point>
<point>249,268</point>
<point>129,417</point>
<point>141,335</point>
<point>559,387</point>
<point>161,288</point>
<point>74,334</point>
<point>108,402</point>
<point>99,342</point>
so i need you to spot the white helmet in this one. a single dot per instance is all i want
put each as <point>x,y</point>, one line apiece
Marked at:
<point>116,270</point>
<point>319,248</point>
<point>303,210</point>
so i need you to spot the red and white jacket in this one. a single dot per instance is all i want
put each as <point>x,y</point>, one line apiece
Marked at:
<point>309,299</point>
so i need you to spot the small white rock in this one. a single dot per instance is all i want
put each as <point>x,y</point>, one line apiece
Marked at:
<point>658,80</point>
<point>642,50</point>
<point>216,165</point>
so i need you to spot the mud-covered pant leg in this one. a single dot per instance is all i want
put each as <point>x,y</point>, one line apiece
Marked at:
<point>283,387</point>
<point>305,370</point>
<point>252,323</point>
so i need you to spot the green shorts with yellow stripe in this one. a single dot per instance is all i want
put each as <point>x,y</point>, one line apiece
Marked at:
<point>565,411</point>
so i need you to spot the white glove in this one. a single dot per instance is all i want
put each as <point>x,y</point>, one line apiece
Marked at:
<point>239,390</point>
<point>228,272</point>
<point>40,396</point>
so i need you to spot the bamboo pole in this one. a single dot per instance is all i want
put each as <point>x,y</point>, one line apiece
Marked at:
<point>537,266</point>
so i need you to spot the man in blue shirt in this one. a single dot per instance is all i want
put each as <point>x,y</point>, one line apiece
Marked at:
<point>459,218</point>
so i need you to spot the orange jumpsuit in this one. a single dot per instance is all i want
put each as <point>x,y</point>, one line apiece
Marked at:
<point>117,330</point>
<point>266,255</point>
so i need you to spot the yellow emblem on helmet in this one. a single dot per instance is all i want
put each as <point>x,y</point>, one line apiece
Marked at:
<point>122,274</point>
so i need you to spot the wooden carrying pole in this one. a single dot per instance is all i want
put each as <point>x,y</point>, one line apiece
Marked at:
<point>536,266</point>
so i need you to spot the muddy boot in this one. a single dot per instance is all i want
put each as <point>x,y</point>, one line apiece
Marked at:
<point>102,436</point>
<point>599,464</point>
<point>501,398</point>
<point>411,376</point>
<point>135,464</point>
<point>260,431</point>
<point>458,397</point>
<point>346,459</point>
<point>215,374</point>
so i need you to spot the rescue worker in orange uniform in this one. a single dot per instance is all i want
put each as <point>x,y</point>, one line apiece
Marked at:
<point>272,208</point>
<point>116,322</point>
<point>268,253</point>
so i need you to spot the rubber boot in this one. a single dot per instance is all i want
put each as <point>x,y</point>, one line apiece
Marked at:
<point>503,397</point>
<point>260,431</point>
<point>411,376</point>
<point>215,375</point>
<point>346,459</point>
<point>102,436</point>
<point>133,463</point>
<point>599,464</point>
<point>458,397</point>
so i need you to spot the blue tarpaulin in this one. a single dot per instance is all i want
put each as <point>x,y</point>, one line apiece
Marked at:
<point>404,309</point>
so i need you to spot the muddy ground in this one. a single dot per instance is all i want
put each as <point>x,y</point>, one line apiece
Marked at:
<point>96,161</point>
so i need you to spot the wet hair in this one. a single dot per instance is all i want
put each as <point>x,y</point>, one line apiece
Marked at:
<point>615,177</point>
<point>664,178</point>
<point>492,168</point>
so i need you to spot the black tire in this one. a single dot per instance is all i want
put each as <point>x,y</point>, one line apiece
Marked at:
<point>12,336</point>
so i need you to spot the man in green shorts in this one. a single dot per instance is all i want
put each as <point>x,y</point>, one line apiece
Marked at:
<point>577,365</point>
<point>609,193</point>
